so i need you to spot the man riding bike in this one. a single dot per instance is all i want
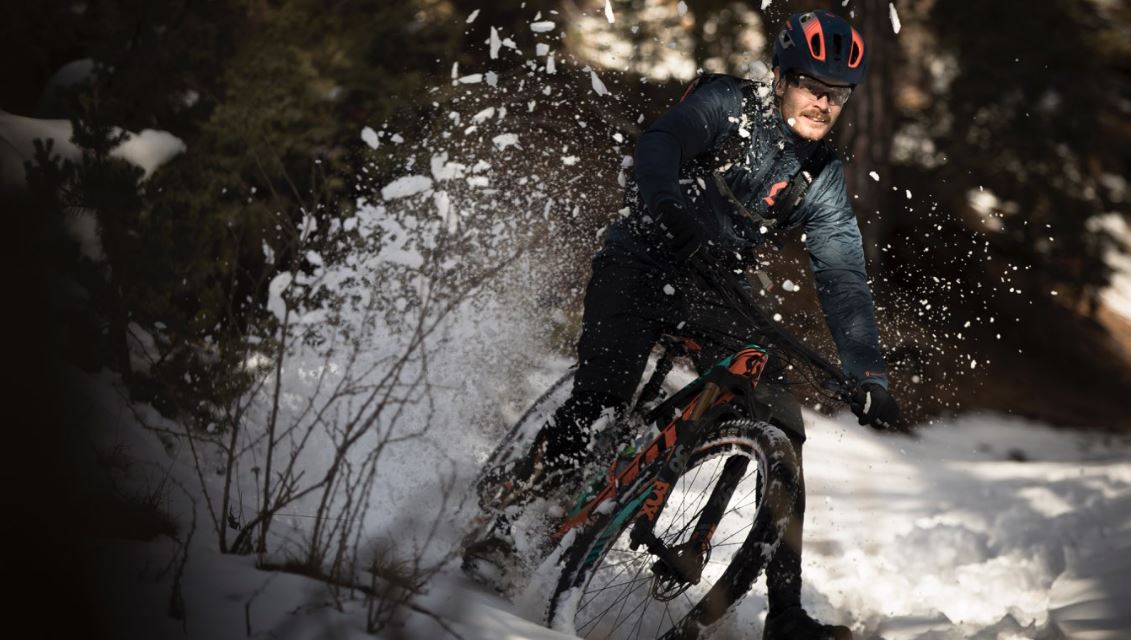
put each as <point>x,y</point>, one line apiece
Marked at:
<point>734,162</point>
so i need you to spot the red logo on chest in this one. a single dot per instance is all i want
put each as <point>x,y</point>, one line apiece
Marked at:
<point>774,191</point>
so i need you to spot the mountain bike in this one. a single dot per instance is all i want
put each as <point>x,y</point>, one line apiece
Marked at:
<point>673,523</point>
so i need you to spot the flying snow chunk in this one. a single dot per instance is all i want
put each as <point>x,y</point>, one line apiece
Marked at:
<point>483,115</point>
<point>789,285</point>
<point>471,18</point>
<point>495,43</point>
<point>669,290</point>
<point>908,192</point>
<point>895,26</point>
<point>875,176</point>
<point>444,170</point>
<point>681,8</point>
<point>369,136</point>
<point>541,49</point>
<point>609,11</point>
<point>492,79</point>
<point>504,140</point>
<point>758,69</point>
<point>474,78</point>
<point>569,161</point>
<point>598,86</point>
<point>542,26</point>
<point>406,186</point>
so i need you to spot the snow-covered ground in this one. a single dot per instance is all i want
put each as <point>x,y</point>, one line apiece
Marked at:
<point>980,527</point>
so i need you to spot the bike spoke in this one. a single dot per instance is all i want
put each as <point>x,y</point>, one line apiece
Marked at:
<point>619,598</point>
<point>642,604</point>
<point>635,579</point>
<point>643,607</point>
<point>668,610</point>
<point>597,618</point>
<point>659,623</point>
<point>622,571</point>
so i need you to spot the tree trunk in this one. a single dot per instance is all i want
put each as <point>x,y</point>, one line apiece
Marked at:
<point>866,130</point>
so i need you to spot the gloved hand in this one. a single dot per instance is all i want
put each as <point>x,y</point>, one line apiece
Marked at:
<point>680,232</point>
<point>874,406</point>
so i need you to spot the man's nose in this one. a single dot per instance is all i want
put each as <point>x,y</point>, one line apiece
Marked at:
<point>823,101</point>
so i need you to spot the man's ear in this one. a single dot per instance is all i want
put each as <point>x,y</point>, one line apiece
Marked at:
<point>779,83</point>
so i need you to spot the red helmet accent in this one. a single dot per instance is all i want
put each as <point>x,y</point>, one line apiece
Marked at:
<point>814,37</point>
<point>856,54</point>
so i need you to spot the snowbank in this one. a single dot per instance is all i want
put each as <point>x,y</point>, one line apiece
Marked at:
<point>984,527</point>
<point>982,523</point>
<point>148,150</point>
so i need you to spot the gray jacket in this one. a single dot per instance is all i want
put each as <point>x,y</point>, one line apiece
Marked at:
<point>734,127</point>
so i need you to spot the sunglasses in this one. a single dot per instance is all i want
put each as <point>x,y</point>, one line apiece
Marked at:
<point>838,94</point>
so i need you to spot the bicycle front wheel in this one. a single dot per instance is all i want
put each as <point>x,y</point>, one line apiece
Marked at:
<point>740,482</point>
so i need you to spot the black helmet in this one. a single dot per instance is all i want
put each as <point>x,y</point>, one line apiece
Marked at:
<point>821,44</point>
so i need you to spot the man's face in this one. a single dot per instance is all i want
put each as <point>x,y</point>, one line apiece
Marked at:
<point>808,105</point>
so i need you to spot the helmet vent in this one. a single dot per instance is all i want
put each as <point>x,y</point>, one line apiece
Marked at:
<point>786,40</point>
<point>838,46</point>
<point>856,53</point>
<point>815,38</point>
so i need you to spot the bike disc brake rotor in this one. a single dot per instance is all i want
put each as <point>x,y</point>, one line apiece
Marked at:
<point>668,584</point>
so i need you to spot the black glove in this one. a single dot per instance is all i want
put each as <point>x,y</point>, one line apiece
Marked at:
<point>680,232</point>
<point>873,405</point>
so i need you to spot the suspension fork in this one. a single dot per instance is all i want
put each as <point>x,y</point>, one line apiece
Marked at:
<point>733,471</point>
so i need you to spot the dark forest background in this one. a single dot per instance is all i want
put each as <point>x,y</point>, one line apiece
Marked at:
<point>1007,122</point>
<point>1025,104</point>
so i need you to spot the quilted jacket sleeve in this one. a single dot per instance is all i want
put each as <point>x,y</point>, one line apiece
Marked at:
<point>836,253</point>
<point>686,130</point>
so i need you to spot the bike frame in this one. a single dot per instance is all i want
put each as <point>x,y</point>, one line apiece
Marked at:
<point>708,396</point>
